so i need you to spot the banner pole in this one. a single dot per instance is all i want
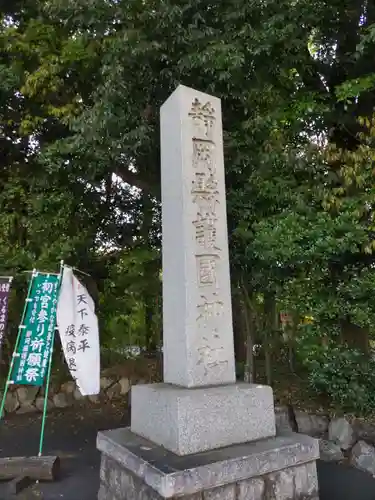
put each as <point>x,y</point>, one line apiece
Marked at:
<point>43,272</point>
<point>7,383</point>
<point>49,371</point>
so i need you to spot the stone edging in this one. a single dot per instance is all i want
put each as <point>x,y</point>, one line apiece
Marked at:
<point>29,399</point>
<point>340,440</point>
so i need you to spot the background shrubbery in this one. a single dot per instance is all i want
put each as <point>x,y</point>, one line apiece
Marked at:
<point>81,84</point>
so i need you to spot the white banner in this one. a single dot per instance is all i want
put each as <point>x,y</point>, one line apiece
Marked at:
<point>79,333</point>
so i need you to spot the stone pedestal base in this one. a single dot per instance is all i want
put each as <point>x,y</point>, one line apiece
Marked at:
<point>187,421</point>
<point>281,468</point>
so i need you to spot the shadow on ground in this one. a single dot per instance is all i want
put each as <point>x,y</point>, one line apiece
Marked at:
<point>71,434</point>
<point>339,482</point>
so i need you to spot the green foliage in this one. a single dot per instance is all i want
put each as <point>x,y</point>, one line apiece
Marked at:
<point>125,298</point>
<point>335,370</point>
<point>81,84</point>
<point>353,88</point>
<point>343,374</point>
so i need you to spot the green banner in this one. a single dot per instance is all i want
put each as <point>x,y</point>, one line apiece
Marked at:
<point>34,348</point>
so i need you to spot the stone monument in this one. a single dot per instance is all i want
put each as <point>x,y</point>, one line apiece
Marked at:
<point>200,432</point>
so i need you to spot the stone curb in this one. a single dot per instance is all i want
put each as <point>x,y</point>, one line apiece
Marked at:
<point>24,399</point>
<point>340,440</point>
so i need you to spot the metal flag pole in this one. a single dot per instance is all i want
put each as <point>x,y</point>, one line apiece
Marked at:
<point>42,272</point>
<point>50,365</point>
<point>20,328</point>
<point>82,272</point>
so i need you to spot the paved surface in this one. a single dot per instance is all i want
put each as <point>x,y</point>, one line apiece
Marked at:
<point>71,434</point>
<point>338,482</point>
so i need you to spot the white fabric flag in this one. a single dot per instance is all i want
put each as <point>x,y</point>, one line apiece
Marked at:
<point>79,333</point>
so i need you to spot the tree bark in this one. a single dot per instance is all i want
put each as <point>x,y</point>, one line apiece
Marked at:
<point>149,272</point>
<point>239,329</point>
<point>292,335</point>
<point>355,336</point>
<point>270,328</point>
<point>248,315</point>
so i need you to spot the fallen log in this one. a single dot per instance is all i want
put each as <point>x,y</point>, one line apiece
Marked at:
<point>17,485</point>
<point>38,468</point>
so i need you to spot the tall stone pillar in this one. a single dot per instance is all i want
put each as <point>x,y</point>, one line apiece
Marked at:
<point>200,407</point>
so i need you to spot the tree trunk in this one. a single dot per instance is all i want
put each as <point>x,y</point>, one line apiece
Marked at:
<point>269,330</point>
<point>290,357</point>
<point>268,362</point>
<point>248,316</point>
<point>148,273</point>
<point>149,323</point>
<point>355,336</point>
<point>239,329</point>
<point>292,334</point>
